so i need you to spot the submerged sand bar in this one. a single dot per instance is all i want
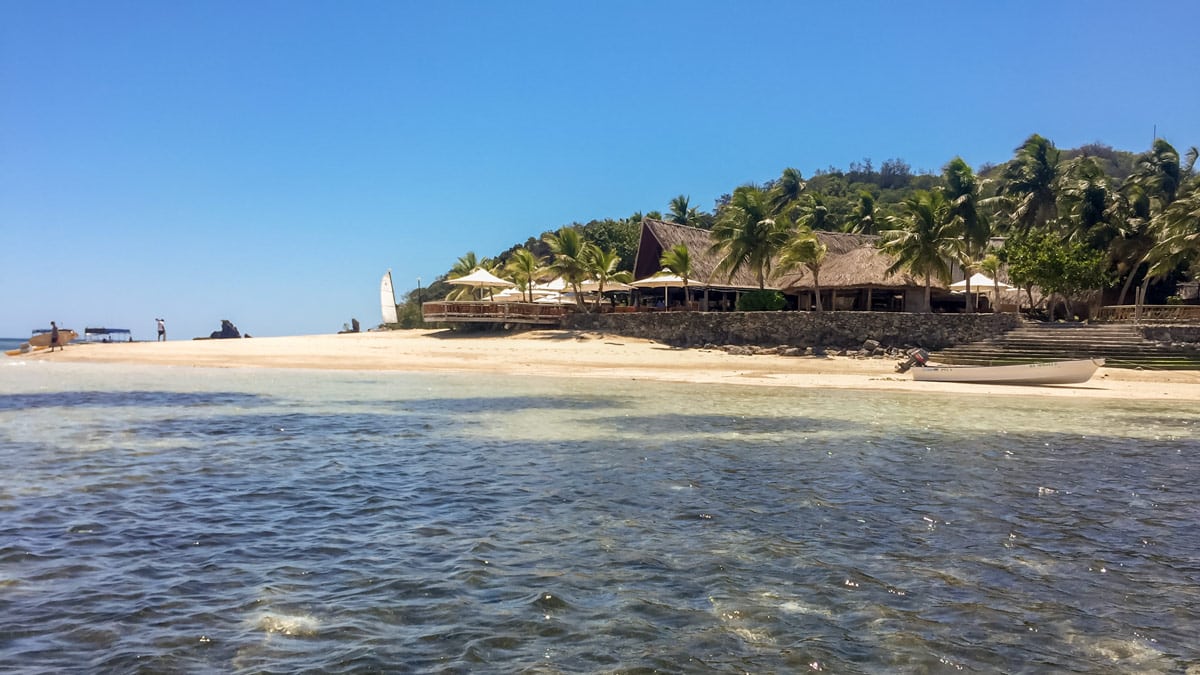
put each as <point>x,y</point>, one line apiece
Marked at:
<point>586,354</point>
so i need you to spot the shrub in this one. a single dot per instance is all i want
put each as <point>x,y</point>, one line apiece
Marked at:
<point>761,301</point>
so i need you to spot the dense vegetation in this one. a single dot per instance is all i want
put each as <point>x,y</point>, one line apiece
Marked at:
<point>1072,221</point>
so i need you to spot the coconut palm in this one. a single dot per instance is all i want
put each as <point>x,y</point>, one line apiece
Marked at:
<point>962,193</point>
<point>523,268</point>
<point>1086,201</point>
<point>679,260</point>
<point>925,239</point>
<point>786,190</point>
<point>864,219</point>
<point>813,213</point>
<point>1159,171</point>
<point>466,264</point>
<point>804,249</point>
<point>603,266</point>
<point>1179,241</point>
<point>990,265</point>
<point>1028,183</point>
<point>745,234</point>
<point>1156,179</point>
<point>570,258</point>
<point>683,213</point>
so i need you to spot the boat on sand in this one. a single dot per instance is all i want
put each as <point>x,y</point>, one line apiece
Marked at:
<point>1049,372</point>
<point>41,340</point>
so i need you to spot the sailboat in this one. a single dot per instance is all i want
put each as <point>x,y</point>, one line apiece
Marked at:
<point>387,300</point>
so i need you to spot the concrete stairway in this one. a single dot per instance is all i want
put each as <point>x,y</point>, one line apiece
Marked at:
<point>1121,345</point>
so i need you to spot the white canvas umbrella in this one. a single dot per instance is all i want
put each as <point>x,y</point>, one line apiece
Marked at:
<point>591,286</point>
<point>665,279</point>
<point>481,278</point>
<point>556,285</point>
<point>509,295</point>
<point>982,282</point>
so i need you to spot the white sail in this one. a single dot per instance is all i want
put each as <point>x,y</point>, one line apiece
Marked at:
<point>387,298</point>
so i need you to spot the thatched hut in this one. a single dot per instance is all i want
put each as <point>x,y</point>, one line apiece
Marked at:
<point>853,276</point>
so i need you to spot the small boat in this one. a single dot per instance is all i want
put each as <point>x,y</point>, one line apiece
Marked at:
<point>1049,372</point>
<point>41,340</point>
<point>41,337</point>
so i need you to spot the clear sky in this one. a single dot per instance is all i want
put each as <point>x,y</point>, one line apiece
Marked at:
<point>266,162</point>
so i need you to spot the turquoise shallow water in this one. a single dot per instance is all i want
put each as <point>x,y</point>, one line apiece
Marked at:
<point>193,520</point>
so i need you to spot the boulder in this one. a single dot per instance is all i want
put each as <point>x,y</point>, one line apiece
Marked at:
<point>228,330</point>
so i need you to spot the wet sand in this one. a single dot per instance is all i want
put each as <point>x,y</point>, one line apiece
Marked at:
<point>587,354</point>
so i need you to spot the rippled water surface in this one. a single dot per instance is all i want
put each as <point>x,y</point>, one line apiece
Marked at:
<point>191,520</point>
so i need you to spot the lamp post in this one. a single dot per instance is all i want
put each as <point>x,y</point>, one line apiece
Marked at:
<point>418,290</point>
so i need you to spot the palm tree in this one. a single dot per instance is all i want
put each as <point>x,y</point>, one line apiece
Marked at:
<point>925,240</point>
<point>745,234</point>
<point>805,249</point>
<point>962,193</point>
<point>786,190</point>
<point>682,213</point>
<point>679,261</point>
<point>462,267</point>
<point>1179,241</point>
<point>570,256</point>
<point>1156,176</point>
<point>814,214</point>
<point>863,220</point>
<point>990,265</point>
<point>1160,172</point>
<point>1086,201</point>
<point>602,265</point>
<point>1028,183</point>
<point>523,268</point>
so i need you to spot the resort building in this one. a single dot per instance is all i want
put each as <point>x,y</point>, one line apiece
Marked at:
<point>852,277</point>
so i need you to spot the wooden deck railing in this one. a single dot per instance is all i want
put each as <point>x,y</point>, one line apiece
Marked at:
<point>1150,314</point>
<point>494,312</point>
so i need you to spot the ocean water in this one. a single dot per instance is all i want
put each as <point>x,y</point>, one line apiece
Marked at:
<point>10,343</point>
<point>196,520</point>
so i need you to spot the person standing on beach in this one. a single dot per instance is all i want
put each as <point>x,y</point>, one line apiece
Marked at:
<point>162,330</point>
<point>54,337</point>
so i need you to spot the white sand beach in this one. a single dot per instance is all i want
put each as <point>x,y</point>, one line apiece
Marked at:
<point>587,354</point>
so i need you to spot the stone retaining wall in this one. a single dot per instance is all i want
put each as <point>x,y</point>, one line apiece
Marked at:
<point>1172,334</point>
<point>830,330</point>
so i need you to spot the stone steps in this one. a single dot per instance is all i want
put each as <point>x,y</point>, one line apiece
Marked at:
<point>1121,346</point>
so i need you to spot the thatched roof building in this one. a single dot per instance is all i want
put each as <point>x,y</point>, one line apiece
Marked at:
<point>658,236</point>
<point>853,275</point>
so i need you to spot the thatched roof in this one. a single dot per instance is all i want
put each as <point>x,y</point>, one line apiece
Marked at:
<point>852,261</point>
<point>658,236</point>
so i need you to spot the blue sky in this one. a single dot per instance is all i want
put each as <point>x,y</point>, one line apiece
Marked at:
<point>266,162</point>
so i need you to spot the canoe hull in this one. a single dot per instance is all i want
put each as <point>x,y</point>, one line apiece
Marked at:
<point>1052,372</point>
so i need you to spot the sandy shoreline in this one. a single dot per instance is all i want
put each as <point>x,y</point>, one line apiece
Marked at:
<point>585,354</point>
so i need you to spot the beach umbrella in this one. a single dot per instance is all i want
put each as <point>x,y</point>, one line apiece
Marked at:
<point>981,282</point>
<point>666,280</point>
<point>509,295</point>
<point>556,285</point>
<point>591,286</point>
<point>557,299</point>
<point>481,278</point>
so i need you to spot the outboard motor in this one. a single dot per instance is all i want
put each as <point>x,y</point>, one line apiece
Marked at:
<point>916,357</point>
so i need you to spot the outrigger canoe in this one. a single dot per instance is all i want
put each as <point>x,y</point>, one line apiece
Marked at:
<point>1050,372</point>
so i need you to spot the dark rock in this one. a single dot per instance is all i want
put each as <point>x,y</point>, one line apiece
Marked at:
<point>228,330</point>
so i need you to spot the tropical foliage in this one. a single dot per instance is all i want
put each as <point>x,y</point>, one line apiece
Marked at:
<point>1137,214</point>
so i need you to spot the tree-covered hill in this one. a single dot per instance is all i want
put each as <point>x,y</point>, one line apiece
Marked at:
<point>1136,211</point>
